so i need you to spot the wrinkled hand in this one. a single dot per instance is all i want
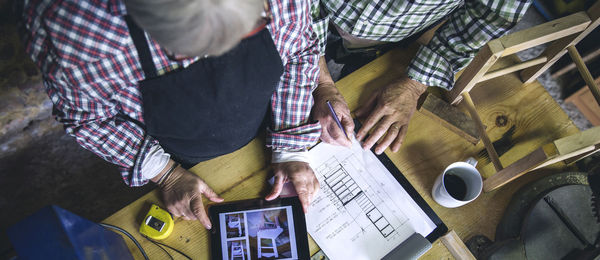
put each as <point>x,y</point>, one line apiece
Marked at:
<point>182,194</point>
<point>331,132</point>
<point>302,177</point>
<point>388,112</point>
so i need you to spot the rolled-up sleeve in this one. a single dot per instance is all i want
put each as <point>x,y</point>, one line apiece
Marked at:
<point>292,101</point>
<point>456,43</point>
<point>89,99</point>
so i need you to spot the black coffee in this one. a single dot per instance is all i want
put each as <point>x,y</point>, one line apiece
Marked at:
<point>455,186</point>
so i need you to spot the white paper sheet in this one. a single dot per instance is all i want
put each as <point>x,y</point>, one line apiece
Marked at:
<point>361,212</point>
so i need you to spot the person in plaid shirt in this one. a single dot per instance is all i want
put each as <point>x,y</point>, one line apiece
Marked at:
<point>149,84</point>
<point>369,26</point>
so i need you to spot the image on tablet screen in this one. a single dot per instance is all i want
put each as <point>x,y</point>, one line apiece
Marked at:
<point>258,234</point>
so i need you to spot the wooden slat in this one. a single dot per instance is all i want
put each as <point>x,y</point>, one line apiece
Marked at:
<point>518,168</point>
<point>455,245</point>
<point>573,143</point>
<point>583,155</point>
<point>513,68</point>
<point>558,48</point>
<point>562,149</point>
<point>544,33</point>
<point>489,147</point>
<point>483,61</point>
<point>450,117</point>
<point>585,73</point>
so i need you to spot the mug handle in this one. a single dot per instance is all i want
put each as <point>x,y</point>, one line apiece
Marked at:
<point>471,161</point>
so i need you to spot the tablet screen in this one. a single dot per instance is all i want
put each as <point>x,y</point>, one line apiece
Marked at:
<point>266,233</point>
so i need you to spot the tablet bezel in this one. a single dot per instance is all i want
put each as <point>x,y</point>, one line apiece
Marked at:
<point>301,235</point>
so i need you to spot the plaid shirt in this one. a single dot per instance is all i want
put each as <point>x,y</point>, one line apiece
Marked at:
<point>91,69</point>
<point>471,24</point>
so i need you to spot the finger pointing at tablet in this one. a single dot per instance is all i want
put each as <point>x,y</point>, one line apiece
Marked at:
<point>302,177</point>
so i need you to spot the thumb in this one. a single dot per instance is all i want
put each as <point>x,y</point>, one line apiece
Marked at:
<point>277,188</point>
<point>348,125</point>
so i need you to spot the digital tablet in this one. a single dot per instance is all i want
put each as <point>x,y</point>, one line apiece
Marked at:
<point>259,229</point>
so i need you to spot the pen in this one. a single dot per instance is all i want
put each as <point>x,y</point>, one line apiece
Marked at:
<point>337,120</point>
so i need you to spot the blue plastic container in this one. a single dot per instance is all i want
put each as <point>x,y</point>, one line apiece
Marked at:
<point>55,233</point>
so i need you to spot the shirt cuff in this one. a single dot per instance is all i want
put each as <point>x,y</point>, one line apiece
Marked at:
<point>431,68</point>
<point>132,176</point>
<point>295,138</point>
<point>281,156</point>
<point>155,161</point>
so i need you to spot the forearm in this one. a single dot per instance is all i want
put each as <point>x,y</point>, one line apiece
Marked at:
<point>324,75</point>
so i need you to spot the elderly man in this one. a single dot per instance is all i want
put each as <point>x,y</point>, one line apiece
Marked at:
<point>149,85</point>
<point>367,27</point>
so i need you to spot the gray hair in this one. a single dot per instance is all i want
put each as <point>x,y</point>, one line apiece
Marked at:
<point>196,27</point>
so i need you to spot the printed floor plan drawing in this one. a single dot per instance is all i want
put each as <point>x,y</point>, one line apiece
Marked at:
<point>346,189</point>
<point>361,211</point>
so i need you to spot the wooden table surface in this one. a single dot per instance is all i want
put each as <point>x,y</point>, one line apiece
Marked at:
<point>520,118</point>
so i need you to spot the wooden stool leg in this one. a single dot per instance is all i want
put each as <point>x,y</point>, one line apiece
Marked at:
<point>484,137</point>
<point>585,73</point>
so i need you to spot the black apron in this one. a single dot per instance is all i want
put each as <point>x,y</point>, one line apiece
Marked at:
<point>214,106</point>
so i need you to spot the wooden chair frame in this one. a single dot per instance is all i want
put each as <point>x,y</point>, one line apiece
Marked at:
<point>564,34</point>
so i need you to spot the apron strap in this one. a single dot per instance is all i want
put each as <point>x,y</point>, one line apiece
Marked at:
<point>141,45</point>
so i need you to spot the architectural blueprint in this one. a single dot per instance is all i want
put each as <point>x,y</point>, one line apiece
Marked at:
<point>361,212</point>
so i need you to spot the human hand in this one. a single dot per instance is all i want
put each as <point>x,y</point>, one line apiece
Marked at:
<point>182,194</point>
<point>331,132</point>
<point>388,112</point>
<point>302,177</point>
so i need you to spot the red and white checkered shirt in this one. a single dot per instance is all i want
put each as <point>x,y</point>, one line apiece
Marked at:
<point>91,71</point>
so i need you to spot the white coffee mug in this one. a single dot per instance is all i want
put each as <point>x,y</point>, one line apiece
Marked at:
<point>459,184</point>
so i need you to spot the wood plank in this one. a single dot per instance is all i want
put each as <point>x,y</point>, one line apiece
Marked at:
<point>513,68</point>
<point>456,246</point>
<point>585,73</point>
<point>586,103</point>
<point>573,143</point>
<point>545,32</point>
<point>450,117</point>
<point>472,74</point>
<point>558,48</point>
<point>518,168</point>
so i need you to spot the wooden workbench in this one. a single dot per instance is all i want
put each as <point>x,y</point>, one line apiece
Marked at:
<point>521,117</point>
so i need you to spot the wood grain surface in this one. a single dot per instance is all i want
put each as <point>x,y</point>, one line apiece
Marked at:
<point>519,119</point>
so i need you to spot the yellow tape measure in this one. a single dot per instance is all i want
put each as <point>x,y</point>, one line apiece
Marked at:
<point>158,223</point>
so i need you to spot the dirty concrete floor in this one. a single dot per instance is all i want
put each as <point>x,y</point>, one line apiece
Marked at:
<point>56,170</point>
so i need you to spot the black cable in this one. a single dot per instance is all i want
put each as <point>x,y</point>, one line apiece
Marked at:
<point>158,244</point>
<point>161,244</point>
<point>128,235</point>
<point>161,248</point>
